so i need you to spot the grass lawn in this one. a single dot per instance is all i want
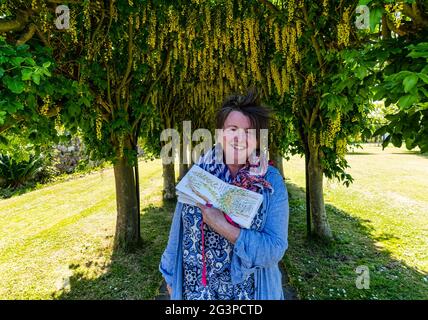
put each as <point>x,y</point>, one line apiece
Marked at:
<point>380,221</point>
<point>56,241</point>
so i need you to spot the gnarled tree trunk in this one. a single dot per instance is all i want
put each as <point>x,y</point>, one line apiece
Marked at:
<point>277,158</point>
<point>183,170</point>
<point>316,196</point>
<point>127,229</point>
<point>168,192</point>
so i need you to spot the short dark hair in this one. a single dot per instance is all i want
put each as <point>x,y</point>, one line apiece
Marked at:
<point>249,104</point>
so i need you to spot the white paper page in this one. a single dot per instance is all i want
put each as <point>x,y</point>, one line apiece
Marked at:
<point>239,203</point>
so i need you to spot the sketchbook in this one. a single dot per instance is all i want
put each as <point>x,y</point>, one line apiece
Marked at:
<point>201,186</point>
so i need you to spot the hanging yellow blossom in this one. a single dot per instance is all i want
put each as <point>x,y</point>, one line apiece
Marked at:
<point>343,29</point>
<point>98,125</point>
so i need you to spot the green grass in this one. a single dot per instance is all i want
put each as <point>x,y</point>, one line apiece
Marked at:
<point>56,241</point>
<point>380,221</point>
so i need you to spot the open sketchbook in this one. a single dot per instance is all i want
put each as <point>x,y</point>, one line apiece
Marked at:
<point>200,186</point>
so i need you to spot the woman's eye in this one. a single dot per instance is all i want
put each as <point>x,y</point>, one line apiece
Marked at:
<point>251,133</point>
<point>230,130</point>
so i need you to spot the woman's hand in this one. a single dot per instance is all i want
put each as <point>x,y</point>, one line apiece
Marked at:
<point>216,220</point>
<point>212,216</point>
<point>169,289</point>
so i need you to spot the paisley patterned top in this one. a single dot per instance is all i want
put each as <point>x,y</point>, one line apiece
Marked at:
<point>218,254</point>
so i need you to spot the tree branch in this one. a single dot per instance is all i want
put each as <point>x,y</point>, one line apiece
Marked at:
<point>414,13</point>
<point>130,56</point>
<point>314,114</point>
<point>15,25</point>
<point>315,44</point>
<point>270,5</point>
<point>386,33</point>
<point>152,85</point>
<point>27,35</point>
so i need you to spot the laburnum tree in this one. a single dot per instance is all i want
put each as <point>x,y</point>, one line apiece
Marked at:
<point>316,70</point>
<point>401,53</point>
<point>303,57</point>
<point>114,52</point>
<point>139,67</point>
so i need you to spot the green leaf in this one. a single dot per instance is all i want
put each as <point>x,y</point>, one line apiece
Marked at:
<point>14,84</point>
<point>361,72</point>
<point>419,51</point>
<point>30,61</point>
<point>409,143</point>
<point>22,47</point>
<point>1,72</point>
<point>423,77</point>
<point>407,100</point>
<point>16,61</point>
<point>397,140</point>
<point>375,16</point>
<point>11,106</point>
<point>36,78</point>
<point>26,74</point>
<point>3,140</point>
<point>424,91</point>
<point>85,101</point>
<point>2,116</point>
<point>46,64</point>
<point>410,82</point>
<point>46,72</point>
<point>381,131</point>
<point>31,101</point>
<point>14,106</point>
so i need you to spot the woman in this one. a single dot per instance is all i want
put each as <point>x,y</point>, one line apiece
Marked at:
<point>208,257</point>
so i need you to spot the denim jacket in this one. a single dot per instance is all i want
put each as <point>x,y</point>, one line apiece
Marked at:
<point>257,252</point>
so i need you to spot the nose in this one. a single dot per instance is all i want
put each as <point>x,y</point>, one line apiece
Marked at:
<point>240,135</point>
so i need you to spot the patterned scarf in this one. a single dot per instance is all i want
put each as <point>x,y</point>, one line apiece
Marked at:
<point>250,176</point>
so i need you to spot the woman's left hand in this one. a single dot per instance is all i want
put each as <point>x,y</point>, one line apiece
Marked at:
<point>216,220</point>
<point>212,216</point>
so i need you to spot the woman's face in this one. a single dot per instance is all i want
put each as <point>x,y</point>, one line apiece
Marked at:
<point>239,139</point>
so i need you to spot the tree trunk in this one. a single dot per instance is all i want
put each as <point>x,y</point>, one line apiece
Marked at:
<point>308,200</point>
<point>183,170</point>
<point>278,160</point>
<point>168,174</point>
<point>316,196</point>
<point>279,163</point>
<point>127,231</point>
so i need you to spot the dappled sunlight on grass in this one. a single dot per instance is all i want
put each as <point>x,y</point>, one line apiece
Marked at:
<point>380,221</point>
<point>57,241</point>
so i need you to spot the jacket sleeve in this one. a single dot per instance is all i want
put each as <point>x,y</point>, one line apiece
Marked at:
<point>169,256</point>
<point>258,249</point>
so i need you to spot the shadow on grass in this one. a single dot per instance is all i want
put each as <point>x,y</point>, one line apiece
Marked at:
<point>127,276</point>
<point>328,270</point>
<point>416,153</point>
<point>360,153</point>
<point>316,270</point>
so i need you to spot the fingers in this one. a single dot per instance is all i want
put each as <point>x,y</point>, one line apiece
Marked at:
<point>204,206</point>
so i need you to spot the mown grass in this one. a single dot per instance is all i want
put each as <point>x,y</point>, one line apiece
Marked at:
<point>380,221</point>
<point>56,241</point>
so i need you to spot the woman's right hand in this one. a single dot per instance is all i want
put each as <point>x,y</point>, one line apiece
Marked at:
<point>169,289</point>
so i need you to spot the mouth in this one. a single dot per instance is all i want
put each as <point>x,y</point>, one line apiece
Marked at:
<point>238,147</point>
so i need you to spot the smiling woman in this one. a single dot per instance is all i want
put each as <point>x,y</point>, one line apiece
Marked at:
<point>210,257</point>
